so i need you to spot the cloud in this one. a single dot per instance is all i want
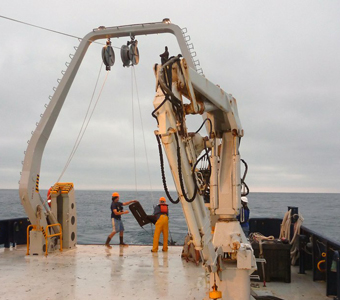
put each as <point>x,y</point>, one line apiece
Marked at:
<point>280,61</point>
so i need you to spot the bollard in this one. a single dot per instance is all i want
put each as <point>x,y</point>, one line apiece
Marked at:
<point>294,213</point>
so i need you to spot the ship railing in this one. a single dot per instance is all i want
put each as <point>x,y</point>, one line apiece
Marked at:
<point>318,253</point>
<point>13,231</point>
<point>321,255</point>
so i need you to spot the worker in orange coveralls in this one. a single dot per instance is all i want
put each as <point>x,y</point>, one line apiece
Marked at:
<point>161,212</point>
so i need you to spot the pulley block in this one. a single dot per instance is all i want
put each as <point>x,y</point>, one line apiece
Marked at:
<point>129,53</point>
<point>108,55</point>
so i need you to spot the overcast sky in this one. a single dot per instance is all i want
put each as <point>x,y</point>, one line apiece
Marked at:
<point>279,59</point>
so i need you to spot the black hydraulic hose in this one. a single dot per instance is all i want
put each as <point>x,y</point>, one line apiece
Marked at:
<point>247,188</point>
<point>194,168</point>
<point>163,173</point>
<point>179,165</point>
<point>157,108</point>
<point>207,119</point>
<point>176,103</point>
<point>165,67</point>
<point>205,155</point>
<point>246,170</point>
<point>243,179</point>
<point>165,79</point>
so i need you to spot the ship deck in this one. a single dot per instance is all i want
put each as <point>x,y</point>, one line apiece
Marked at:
<point>94,272</point>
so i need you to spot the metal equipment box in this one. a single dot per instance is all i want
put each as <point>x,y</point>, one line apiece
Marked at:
<point>277,256</point>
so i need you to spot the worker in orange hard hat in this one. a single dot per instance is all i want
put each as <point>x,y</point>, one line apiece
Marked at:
<point>161,211</point>
<point>117,224</point>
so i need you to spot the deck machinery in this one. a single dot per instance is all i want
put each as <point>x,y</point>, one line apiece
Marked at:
<point>210,198</point>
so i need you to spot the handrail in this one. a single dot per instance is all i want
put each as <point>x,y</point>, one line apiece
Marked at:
<point>52,235</point>
<point>34,227</point>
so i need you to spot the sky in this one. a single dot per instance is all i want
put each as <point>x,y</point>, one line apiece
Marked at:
<point>279,59</point>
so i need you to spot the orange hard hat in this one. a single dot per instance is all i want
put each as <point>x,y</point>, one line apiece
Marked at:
<point>115,194</point>
<point>162,199</point>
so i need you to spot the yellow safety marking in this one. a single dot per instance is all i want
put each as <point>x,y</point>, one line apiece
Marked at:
<point>37,184</point>
<point>319,265</point>
<point>63,187</point>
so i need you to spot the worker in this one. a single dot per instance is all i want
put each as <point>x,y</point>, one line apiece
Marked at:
<point>117,223</point>
<point>161,212</point>
<point>243,217</point>
<point>49,196</point>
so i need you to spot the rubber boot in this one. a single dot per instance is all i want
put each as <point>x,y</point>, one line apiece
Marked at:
<point>107,244</point>
<point>121,243</point>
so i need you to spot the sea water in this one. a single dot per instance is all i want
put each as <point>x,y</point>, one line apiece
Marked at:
<point>320,213</point>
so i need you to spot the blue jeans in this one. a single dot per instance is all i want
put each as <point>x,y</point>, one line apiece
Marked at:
<point>245,228</point>
<point>117,225</point>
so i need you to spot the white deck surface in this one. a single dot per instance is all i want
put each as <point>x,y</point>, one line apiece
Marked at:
<point>94,272</point>
<point>301,287</point>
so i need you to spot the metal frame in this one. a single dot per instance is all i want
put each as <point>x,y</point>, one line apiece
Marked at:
<point>29,182</point>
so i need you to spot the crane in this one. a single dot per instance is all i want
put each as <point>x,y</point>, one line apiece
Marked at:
<point>210,198</point>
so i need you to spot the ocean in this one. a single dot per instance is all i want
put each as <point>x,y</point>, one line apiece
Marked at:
<point>94,219</point>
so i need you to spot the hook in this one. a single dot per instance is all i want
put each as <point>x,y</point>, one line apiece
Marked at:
<point>67,64</point>
<point>71,55</point>
<point>63,72</point>
<point>54,88</point>
<point>50,97</point>
<point>58,80</point>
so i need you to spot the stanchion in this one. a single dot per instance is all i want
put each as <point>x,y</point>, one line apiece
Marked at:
<point>336,267</point>
<point>302,245</point>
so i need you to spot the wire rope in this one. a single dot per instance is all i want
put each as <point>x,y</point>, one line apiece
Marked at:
<point>133,134</point>
<point>171,242</point>
<point>143,133</point>
<point>50,30</point>
<point>85,122</point>
<point>40,27</point>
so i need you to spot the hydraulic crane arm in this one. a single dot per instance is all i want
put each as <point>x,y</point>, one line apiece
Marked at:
<point>218,234</point>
